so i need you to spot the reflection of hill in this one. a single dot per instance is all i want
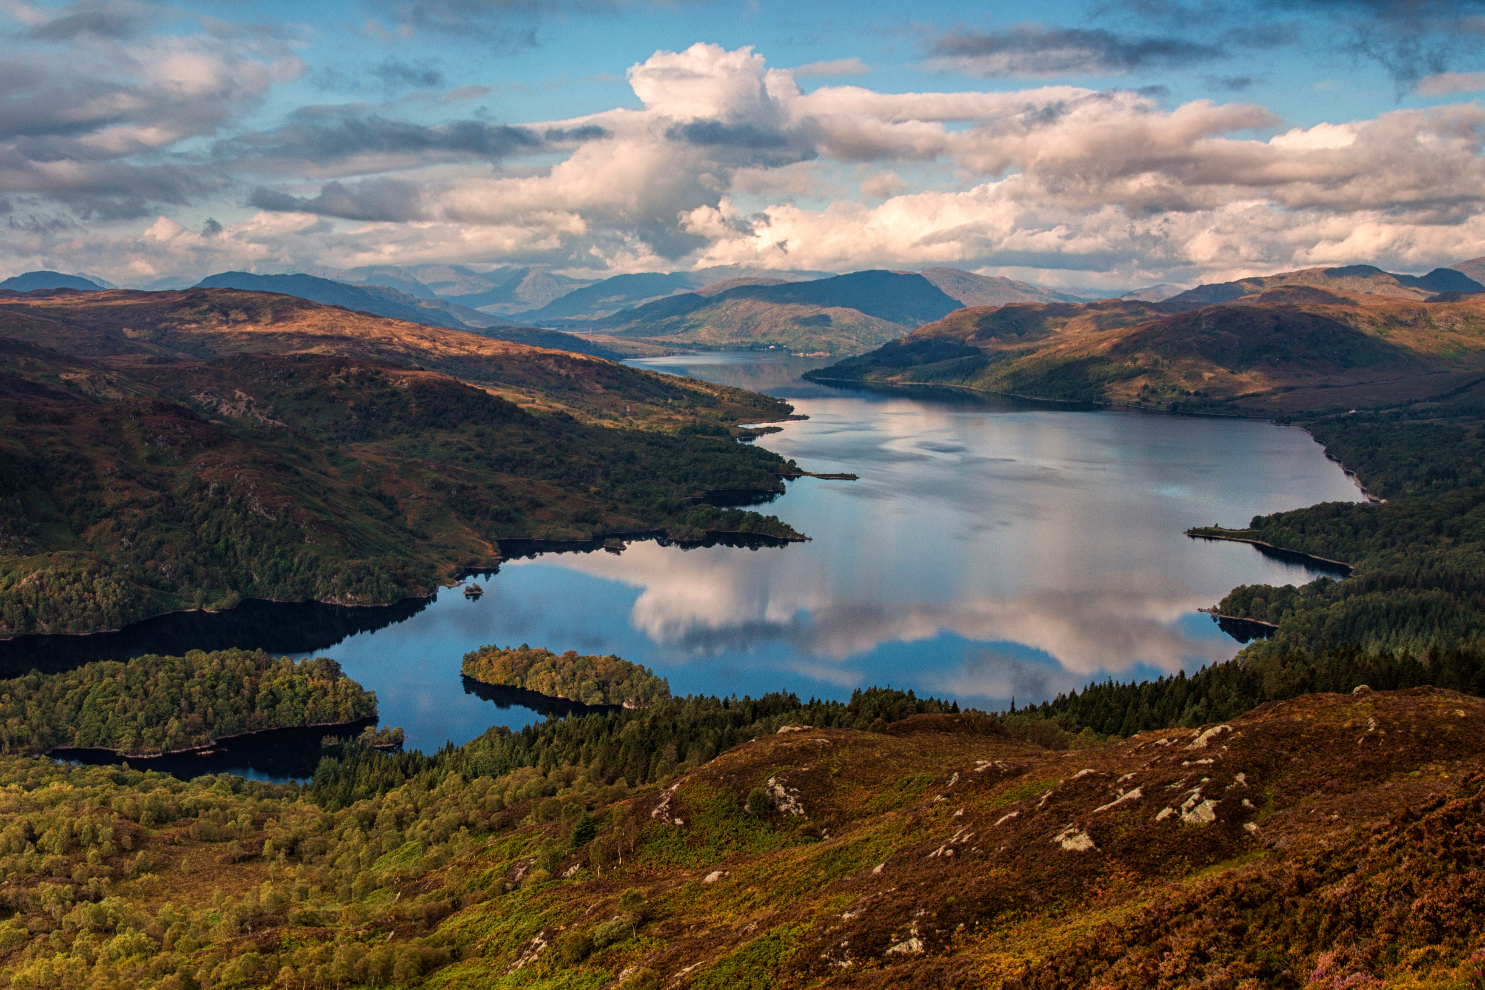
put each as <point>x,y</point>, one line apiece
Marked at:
<point>292,752</point>
<point>277,627</point>
<point>513,697</point>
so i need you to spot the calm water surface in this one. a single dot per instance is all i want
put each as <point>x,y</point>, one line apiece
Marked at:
<point>990,549</point>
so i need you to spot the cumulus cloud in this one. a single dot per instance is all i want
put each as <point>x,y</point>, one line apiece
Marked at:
<point>883,185</point>
<point>727,160</point>
<point>1030,50</point>
<point>87,123</point>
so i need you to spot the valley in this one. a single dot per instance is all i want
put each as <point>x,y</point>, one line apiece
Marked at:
<point>1142,830</point>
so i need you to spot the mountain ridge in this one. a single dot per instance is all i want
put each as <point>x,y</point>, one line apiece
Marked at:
<point>1292,341</point>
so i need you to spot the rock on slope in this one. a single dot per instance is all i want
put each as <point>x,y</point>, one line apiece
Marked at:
<point>1335,840</point>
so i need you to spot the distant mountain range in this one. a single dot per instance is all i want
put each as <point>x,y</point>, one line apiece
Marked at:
<point>1319,338</point>
<point>1350,278</point>
<point>380,300</point>
<point>737,306</point>
<point>839,314</point>
<point>33,281</point>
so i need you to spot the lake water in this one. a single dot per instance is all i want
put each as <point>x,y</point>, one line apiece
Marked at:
<point>990,549</point>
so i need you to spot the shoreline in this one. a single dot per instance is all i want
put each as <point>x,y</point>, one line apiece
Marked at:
<point>1238,618</point>
<point>1283,553</point>
<point>458,575</point>
<point>60,752</point>
<point>9,637</point>
<point>538,701</point>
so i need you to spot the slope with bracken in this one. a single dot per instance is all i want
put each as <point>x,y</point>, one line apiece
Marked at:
<point>208,323</point>
<point>942,853</point>
<point>1294,346</point>
<point>934,851</point>
<point>143,472</point>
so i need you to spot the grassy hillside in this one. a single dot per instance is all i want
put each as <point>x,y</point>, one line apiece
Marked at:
<point>154,475</point>
<point>935,850</point>
<point>1285,349</point>
<point>200,324</point>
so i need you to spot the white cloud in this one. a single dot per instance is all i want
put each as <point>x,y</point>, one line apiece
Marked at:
<point>729,161</point>
<point>1315,138</point>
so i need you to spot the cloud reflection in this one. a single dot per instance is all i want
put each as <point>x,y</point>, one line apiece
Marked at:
<point>705,603</point>
<point>1048,544</point>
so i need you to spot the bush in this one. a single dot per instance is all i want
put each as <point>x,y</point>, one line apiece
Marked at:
<point>615,929</point>
<point>583,831</point>
<point>759,802</point>
<point>575,948</point>
<point>643,978</point>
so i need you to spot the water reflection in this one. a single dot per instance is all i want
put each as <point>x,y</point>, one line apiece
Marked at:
<point>278,755</point>
<point>991,548</point>
<point>278,627</point>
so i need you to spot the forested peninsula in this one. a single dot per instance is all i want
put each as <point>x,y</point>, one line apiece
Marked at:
<point>591,680</point>
<point>176,450</point>
<point>152,704</point>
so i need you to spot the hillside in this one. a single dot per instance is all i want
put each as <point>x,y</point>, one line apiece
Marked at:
<point>31,281</point>
<point>1365,279</point>
<point>934,850</point>
<point>389,301</point>
<point>1473,269</point>
<point>1292,347</point>
<point>844,314</point>
<point>173,460</point>
<point>197,324</point>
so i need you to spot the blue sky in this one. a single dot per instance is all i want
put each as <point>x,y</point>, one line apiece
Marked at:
<point>1106,143</point>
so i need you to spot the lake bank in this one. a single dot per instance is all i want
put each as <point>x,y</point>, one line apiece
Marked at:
<point>1338,567</point>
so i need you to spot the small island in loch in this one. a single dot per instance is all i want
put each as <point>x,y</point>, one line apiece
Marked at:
<point>154,705</point>
<point>591,680</point>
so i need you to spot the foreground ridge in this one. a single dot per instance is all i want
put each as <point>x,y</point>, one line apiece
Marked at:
<point>1333,839</point>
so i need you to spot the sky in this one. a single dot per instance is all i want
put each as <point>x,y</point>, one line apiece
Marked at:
<point>1090,143</point>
